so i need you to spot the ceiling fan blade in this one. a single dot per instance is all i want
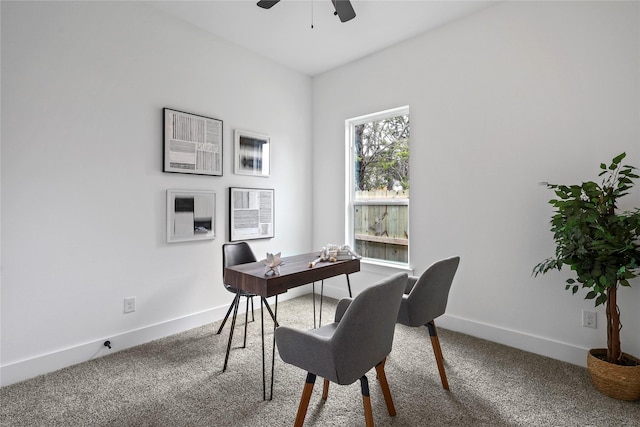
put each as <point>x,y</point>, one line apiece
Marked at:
<point>267,4</point>
<point>344,10</point>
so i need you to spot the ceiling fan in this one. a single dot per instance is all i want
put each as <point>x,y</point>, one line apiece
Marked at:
<point>344,10</point>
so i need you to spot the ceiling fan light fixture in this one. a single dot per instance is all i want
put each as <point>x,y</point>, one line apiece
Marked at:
<point>343,8</point>
<point>267,4</point>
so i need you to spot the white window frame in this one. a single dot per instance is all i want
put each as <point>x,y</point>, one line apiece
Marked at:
<point>350,202</point>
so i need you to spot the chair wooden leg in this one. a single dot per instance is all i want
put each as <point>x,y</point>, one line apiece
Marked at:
<point>304,400</point>
<point>366,401</point>
<point>437,350</point>
<point>325,389</point>
<point>382,378</point>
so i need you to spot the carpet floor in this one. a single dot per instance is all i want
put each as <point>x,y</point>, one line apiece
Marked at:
<point>178,381</point>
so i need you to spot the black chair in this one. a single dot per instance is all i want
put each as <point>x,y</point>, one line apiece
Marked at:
<point>234,254</point>
<point>425,299</point>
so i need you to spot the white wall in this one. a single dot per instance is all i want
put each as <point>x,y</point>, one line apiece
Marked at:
<point>520,93</point>
<point>517,94</point>
<point>83,192</point>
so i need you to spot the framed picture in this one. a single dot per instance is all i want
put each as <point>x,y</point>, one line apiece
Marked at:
<point>251,213</point>
<point>191,215</point>
<point>251,154</point>
<point>192,143</point>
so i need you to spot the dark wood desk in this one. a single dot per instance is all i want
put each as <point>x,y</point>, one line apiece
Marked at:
<point>293,273</point>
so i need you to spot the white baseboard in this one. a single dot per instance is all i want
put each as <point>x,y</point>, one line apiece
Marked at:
<point>516,339</point>
<point>59,359</point>
<point>29,368</point>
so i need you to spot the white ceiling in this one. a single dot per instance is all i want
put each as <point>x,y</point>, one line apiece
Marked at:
<point>284,34</point>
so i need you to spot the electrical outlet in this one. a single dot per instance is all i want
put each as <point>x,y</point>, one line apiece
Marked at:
<point>130,305</point>
<point>589,319</point>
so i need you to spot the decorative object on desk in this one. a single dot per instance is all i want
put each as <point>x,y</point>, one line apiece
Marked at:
<point>192,143</point>
<point>602,246</point>
<point>251,213</point>
<point>251,154</point>
<point>272,264</point>
<point>190,215</point>
<point>324,256</point>
<point>333,253</point>
<point>345,253</point>
<point>314,262</point>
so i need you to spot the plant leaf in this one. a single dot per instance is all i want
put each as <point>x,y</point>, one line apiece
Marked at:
<point>619,158</point>
<point>601,299</point>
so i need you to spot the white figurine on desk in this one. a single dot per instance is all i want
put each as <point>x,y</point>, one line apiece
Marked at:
<point>333,253</point>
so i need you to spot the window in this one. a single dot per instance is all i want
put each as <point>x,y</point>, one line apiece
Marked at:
<point>378,185</point>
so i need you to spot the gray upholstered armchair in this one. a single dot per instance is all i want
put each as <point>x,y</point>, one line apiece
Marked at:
<point>425,299</point>
<point>344,351</point>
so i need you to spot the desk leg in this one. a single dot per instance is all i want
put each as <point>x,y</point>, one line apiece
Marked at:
<point>321,298</point>
<point>263,302</point>
<point>273,349</point>
<point>236,302</point>
<point>264,380</point>
<point>313,291</point>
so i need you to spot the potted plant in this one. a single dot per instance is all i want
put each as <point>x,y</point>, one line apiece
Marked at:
<point>602,247</point>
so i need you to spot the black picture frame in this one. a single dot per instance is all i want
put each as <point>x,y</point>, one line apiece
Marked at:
<point>192,143</point>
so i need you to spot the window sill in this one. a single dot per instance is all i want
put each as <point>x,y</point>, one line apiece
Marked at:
<point>381,267</point>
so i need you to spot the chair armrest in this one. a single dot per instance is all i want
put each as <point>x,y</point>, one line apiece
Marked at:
<point>304,349</point>
<point>411,281</point>
<point>342,306</point>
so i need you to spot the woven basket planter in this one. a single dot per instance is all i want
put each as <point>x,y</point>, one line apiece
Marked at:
<point>617,381</point>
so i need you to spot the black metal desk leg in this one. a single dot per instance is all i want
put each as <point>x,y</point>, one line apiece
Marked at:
<point>313,291</point>
<point>246,320</point>
<point>236,302</point>
<point>264,380</point>
<point>273,349</point>
<point>349,286</point>
<point>225,319</point>
<point>321,298</point>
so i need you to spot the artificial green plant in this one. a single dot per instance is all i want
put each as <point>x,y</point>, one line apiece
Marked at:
<point>600,244</point>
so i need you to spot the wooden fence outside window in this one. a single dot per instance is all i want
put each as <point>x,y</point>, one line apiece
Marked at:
<point>381,225</point>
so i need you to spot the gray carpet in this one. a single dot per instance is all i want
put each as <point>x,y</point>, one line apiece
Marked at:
<point>178,381</point>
